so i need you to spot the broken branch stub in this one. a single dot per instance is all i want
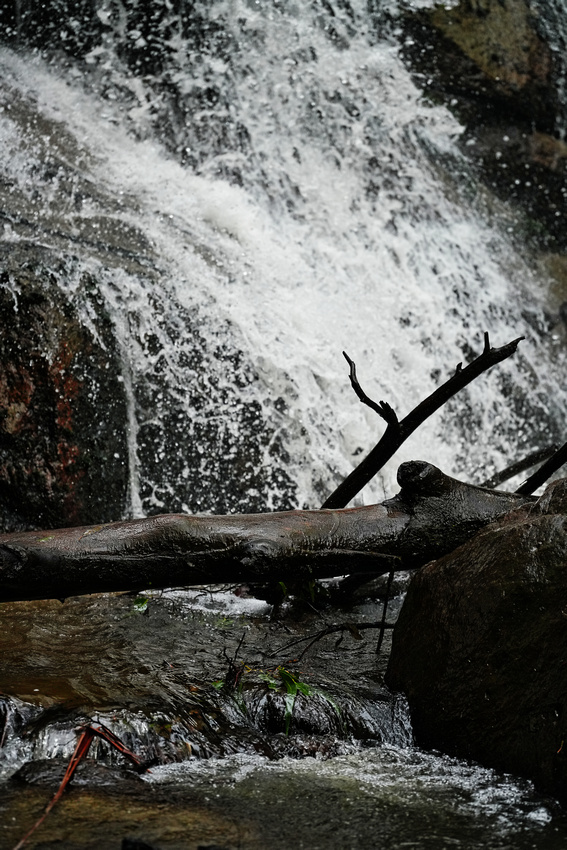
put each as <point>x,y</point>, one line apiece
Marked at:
<point>541,475</point>
<point>518,466</point>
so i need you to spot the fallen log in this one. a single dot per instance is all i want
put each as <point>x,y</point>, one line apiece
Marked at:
<point>431,515</point>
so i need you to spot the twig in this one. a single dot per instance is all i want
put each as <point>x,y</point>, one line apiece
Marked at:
<point>397,431</point>
<point>234,670</point>
<point>329,630</point>
<point>85,739</point>
<point>382,408</point>
<point>384,611</point>
<point>541,475</point>
<point>519,466</point>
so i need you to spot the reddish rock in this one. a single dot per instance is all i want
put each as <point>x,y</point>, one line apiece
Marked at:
<point>63,454</point>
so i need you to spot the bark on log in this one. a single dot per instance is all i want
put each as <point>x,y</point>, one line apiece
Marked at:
<point>431,515</point>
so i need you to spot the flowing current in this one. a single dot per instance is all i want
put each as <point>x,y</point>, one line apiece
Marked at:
<point>253,188</point>
<point>272,192</point>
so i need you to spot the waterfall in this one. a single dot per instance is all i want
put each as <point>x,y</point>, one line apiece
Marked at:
<point>254,188</point>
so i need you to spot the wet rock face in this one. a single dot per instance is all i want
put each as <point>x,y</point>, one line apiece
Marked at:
<point>492,64</point>
<point>489,50</point>
<point>81,282</point>
<point>480,650</point>
<point>63,453</point>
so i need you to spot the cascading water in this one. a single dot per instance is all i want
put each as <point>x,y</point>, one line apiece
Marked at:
<point>256,187</point>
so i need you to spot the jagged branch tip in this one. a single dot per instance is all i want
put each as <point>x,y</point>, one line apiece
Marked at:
<point>397,431</point>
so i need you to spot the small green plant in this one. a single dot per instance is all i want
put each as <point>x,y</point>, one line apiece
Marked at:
<point>293,686</point>
<point>162,727</point>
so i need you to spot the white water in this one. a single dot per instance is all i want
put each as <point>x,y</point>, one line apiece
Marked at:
<point>356,226</point>
<point>388,774</point>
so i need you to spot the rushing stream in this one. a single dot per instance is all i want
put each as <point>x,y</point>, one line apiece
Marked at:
<point>346,775</point>
<point>248,189</point>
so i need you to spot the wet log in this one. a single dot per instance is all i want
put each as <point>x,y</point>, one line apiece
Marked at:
<point>431,515</point>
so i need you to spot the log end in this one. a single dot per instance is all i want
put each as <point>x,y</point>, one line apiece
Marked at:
<point>419,478</point>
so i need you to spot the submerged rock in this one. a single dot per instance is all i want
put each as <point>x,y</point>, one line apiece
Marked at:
<point>89,772</point>
<point>480,650</point>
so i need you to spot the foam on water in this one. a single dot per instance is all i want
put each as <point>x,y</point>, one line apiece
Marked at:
<point>392,776</point>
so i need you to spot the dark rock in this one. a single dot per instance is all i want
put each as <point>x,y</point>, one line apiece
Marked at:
<point>136,844</point>
<point>527,169</point>
<point>480,649</point>
<point>491,63</point>
<point>50,772</point>
<point>212,847</point>
<point>490,55</point>
<point>63,452</point>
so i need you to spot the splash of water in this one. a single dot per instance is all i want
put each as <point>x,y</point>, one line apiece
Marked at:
<point>268,194</point>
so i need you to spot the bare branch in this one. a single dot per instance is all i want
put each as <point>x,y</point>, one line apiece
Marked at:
<point>351,628</point>
<point>383,624</point>
<point>382,408</point>
<point>545,472</point>
<point>397,433</point>
<point>519,466</point>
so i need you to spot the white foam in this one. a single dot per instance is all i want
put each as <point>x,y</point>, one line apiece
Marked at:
<point>400,279</point>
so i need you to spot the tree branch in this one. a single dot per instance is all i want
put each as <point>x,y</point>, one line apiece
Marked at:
<point>314,637</point>
<point>519,466</point>
<point>382,408</point>
<point>398,431</point>
<point>541,475</point>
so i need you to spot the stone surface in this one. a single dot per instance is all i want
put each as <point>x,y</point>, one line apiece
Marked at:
<point>488,52</point>
<point>491,63</point>
<point>63,452</point>
<point>480,649</point>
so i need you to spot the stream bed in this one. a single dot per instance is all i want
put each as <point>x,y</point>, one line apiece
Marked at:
<point>219,769</point>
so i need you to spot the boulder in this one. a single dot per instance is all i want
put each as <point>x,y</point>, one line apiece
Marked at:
<point>63,410</point>
<point>489,53</point>
<point>480,648</point>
